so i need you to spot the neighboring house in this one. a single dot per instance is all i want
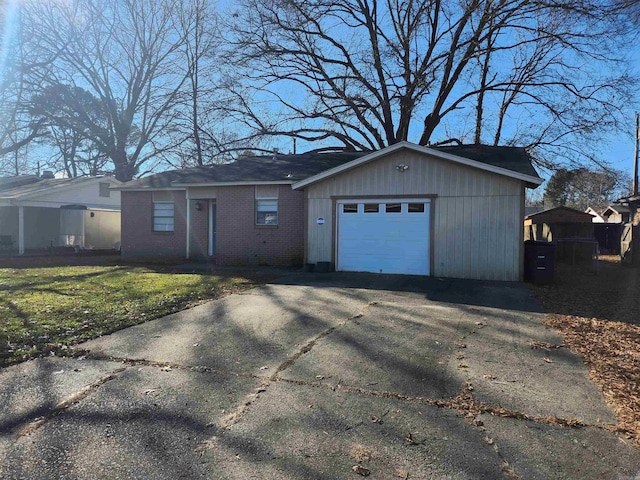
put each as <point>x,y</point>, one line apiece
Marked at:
<point>595,214</point>
<point>444,211</point>
<point>616,214</point>
<point>42,212</point>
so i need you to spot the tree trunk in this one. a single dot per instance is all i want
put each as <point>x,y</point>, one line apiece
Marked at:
<point>123,169</point>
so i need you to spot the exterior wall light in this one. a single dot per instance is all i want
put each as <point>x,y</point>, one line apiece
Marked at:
<point>402,167</point>
<point>198,206</point>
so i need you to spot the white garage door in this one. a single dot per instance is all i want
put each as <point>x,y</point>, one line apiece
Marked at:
<point>383,236</point>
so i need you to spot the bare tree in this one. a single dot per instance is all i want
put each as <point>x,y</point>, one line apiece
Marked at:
<point>16,128</point>
<point>126,54</point>
<point>72,149</point>
<point>369,73</point>
<point>197,128</point>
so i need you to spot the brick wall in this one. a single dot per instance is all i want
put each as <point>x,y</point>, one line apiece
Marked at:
<point>138,237</point>
<point>238,240</point>
<point>241,242</point>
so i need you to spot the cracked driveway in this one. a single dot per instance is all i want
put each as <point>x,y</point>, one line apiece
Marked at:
<point>311,376</point>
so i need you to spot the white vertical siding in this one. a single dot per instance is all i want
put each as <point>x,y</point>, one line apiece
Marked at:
<point>477,221</point>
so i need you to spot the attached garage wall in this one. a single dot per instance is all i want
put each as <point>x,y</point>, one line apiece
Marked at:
<point>477,215</point>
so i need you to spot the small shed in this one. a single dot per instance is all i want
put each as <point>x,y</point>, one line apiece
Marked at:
<point>571,229</point>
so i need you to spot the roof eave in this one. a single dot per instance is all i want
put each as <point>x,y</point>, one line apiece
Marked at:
<point>232,184</point>
<point>530,181</point>
<point>144,189</point>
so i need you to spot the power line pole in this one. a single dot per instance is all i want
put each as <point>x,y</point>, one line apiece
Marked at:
<point>635,158</point>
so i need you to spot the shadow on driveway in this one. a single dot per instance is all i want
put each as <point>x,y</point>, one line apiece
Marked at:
<point>480,293</point>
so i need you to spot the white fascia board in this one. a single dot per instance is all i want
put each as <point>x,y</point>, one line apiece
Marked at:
<point>420,149</point>
<point>230,184</point>
<point>90,206</point>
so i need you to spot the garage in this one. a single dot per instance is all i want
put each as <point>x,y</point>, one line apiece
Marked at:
<point>383,236</point>
<point>445,211</point>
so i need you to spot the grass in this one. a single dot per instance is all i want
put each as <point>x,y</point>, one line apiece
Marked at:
<point>46,310</point>
<point>599,318</point>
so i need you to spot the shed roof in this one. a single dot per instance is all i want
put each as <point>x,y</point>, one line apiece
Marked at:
<point>560,214</point>
<point>289,169</point>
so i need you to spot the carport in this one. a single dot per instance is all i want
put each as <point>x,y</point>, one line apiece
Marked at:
<point>41,212</point>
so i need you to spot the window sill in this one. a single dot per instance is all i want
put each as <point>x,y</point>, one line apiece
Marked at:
<point>265,226</point>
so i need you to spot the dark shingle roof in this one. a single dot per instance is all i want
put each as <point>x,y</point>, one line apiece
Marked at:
<point>294,168</point>
<point>269,168</point>
<point>515,159</point>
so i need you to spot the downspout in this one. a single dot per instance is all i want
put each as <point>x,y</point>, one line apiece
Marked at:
<point>635,158</point>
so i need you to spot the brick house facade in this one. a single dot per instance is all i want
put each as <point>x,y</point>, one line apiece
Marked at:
<point>238,240</point>
<point>383,212</point>
<point>138,237</point>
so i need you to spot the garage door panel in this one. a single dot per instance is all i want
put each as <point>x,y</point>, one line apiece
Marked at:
<point>384,242</point>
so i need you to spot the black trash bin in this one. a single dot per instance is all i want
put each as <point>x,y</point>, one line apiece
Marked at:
<point>539,261</point>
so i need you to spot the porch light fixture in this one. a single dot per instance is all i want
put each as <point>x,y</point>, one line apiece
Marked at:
<point>198,206</point>
<point>402,167</point>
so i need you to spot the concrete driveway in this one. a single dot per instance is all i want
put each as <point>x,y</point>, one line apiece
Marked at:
<point>319,377</point>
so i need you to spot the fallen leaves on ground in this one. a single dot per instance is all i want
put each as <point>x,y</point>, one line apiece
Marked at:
<point>599,318</point>
<point>361,454</point>
<point>360,470</point>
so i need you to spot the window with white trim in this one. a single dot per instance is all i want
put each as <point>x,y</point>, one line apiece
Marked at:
<point>163,217</point>
<point>266,211</point>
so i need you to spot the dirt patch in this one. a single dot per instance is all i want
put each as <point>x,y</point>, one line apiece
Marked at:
<point>599,318</point>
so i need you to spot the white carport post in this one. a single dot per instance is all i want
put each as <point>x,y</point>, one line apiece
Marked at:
<point>21,230</point>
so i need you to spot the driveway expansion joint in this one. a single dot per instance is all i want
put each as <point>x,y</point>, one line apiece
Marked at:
<point>68,402</point>
<point>168,366</point>
<point>312,343</point>
<point>235,416</point>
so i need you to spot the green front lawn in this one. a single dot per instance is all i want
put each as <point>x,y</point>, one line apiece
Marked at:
<point>45,310</point>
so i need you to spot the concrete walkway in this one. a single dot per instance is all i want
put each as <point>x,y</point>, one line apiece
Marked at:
<point>319,377</point>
